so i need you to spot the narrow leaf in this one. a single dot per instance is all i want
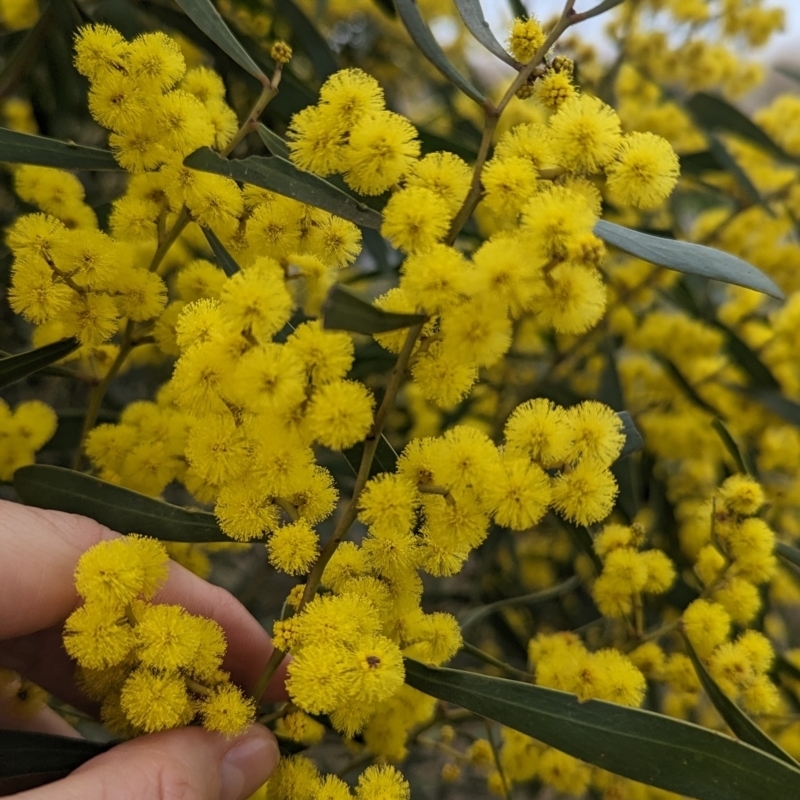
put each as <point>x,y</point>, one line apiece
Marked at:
<point>345,311</point>
<point>424,40</point>
<point>788,72</point>
<point>475,615</point>
<point>225,260</point>
<point>791,554</point>
<point>633,439</point>
<point>26,148</point>
<point>732,167</point>
<point>29,759</point>
<point>698,163</point>
<point>741,458</point>
<point>595,11</point>
<point>774,401</point>
<point>472,15</point>
<point>637,744</point>
<point>747,358</point>
<point>274,143</point>
<point>208,19</point>
<point>313,43</point>
<point>742,726</point>
<point>120,509</point>
<point>693,259</point>
<point>281,176</point>
<point>712,113</point>
<point>15,368</point>
<point>688,390</point>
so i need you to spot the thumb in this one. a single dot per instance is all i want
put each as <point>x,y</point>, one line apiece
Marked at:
<point>189,763</point>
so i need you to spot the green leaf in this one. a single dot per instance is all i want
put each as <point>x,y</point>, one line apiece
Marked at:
<point>713,114</point>
<point>345,311</point>
<point>788,72</point>
<point>225,260</point>
<point>475,615</point>
<point>26,148</point>
<point>15,368</point>
<point>281,176</point>
<point>120,509</point>
<point>637,744</point>
<point>274,143</point>
<point>208,19</point>
<point>791,554</point>
<point>699,163</point>
<point>740,457</point>
<point>518,8</point>
<point>633,439</point>
<point>742,726</point>
<point>693,259</point>
<point>774,401</point>
<point>732,167</point>
<point>747,359</point>
<point>29,759</point>
<point>313,43</point>
<point>424,40</point>
<point>472,15</point>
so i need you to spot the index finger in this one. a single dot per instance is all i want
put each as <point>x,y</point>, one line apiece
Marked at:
<point>41,549</point>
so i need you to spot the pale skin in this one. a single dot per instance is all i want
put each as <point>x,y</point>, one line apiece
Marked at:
<point>39,552</point>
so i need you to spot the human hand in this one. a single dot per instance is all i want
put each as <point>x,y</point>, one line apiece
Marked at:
<point>40,550</point>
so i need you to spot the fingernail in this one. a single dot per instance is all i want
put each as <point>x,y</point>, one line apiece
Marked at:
<point>248,764</point>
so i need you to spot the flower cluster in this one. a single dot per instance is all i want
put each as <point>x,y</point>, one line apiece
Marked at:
<point>23,431</point>
<point>152,666</point>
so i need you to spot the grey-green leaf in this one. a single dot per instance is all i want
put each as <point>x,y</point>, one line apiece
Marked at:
<point>732,166</point>
<point>712,113</point>
<point>281,176</point>
<point>118,508</point>
<point>791,554</point>
<point>208,19</point>
<point>637,744</point>
<point>472,14</point>
<point>15,368</point>
<point>633,439</point>
<point>225,260</point>
<point>424,40</point>
<point>693,259</point>
<point>27,148</point>
<point>274,143</point>
<point>743,727</point>
<point>345,311</point>
<point>29,759</point>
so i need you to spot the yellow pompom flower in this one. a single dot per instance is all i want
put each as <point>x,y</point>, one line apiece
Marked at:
<point>740,494</point>
<point>739,598</point>
<point>660,571</point>
<point>292,548</point>
<point>227,710</point>
<point>585,134</point>
<point>350,94</point>
<point>434,638</point>
<point>436,279</point>
<point>216,449</point>
<point>538,430</point>
<point>388,504</point>
<point>316,681</point>
<point>563,772</point>
<point>374,671</point>
<point>35,295</point>
<point>381,150</point>
<point>316,141</point>
<point>574,300</point>
<point>644,171</point>
<point>155,701</point>
<point>415,219</point>
<point>707,625</point>
<point>509,182</point>
<point>166,638</point>
<point>554,89</point>
<point>155,62</point>
<point>340,414</point>
<point>99,49</point>
<point>627,569</point>
<point>525,38</point>
<point>245,512</point>
<point>94,637</point>
<point>111,573</point>
<point>523,494</point>
<point>445,174</point>
<point>596,433</point>
<point>612,537</point>
<point>382,782</point>
<point>478,331</point>
<point>554,217</point>
<point>182,123</point>
<point>324,355</point>
<point>257,300</point>
<point>585,494</point>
